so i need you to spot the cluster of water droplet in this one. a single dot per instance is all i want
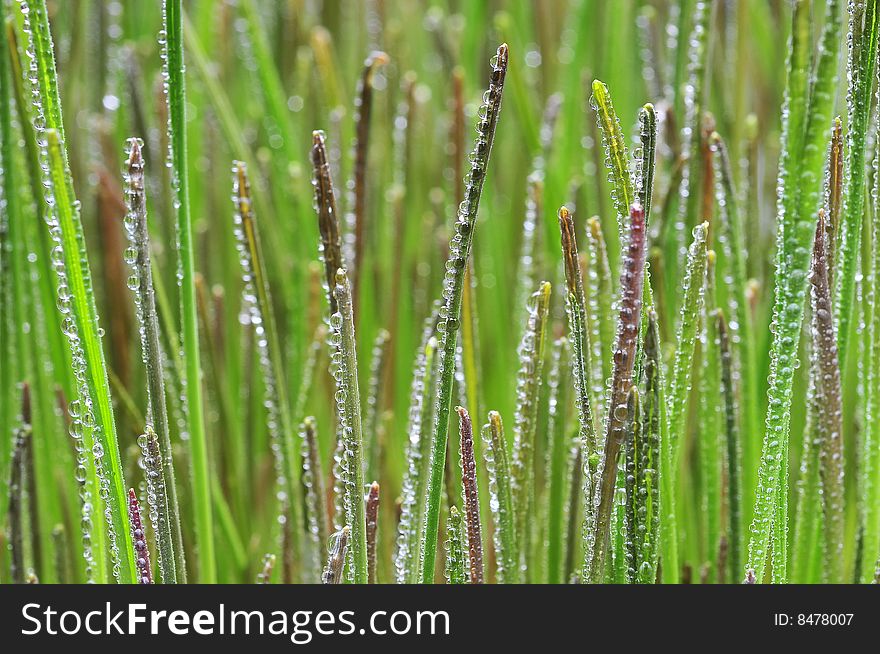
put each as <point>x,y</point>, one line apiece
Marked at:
<point>456,571</point>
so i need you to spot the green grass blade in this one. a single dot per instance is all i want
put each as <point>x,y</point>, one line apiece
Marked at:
<point>168,532</point>
<point>528,389</point>
<point>177,140</point>
<point>733,451</point>
<point>679,392</point>
<point>460,249</point>
<point>501,500</point>
<point>257,295</point>
<point>861,66</point>
<point>93,424</point>
<point>804,127</point>
<point>559,382</point>
<point>653,433</point>
<point>348,407</point>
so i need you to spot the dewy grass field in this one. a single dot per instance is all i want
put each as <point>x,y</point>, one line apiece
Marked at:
<point>270,311</point>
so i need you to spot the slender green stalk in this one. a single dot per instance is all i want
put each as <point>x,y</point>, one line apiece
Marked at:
<point>456,567</point>
<point>732,237</point>
<point>679,392</point>
<point>168,533</point>
<point>629,535</point>
<point>375,397</point>
<point>648,453</point>
<point>600,315</point>
<point>528,388</point>
<point>575,306</point>
<point>357,218</point>
<point>864,28</point>
<point>257,295</point>
<point>557,456</point>
<point>732,444</point>
<point>177,141</point>
<point>501,500</point>
<point>412,494</point>
<point>869,451</point>
<point>709,443</point>
<point>616,154</point>
<point>316,497</point>
<point>630,317</point>
<point>348,408</point>
<point>459,252</point>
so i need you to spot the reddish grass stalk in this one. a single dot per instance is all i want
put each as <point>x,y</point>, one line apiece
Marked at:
<point>372,525</point>
<point>141,551</point>
<point>631,287</point>
<point>471,497</point>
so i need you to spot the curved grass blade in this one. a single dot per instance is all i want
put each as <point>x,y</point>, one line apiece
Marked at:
<point>679,392</point>
<point>168,533</point>
<point>630,317</point>
<point>92,426</point>
<point>173,71</point>
<point>453,283</point>
<point>471,497</point>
